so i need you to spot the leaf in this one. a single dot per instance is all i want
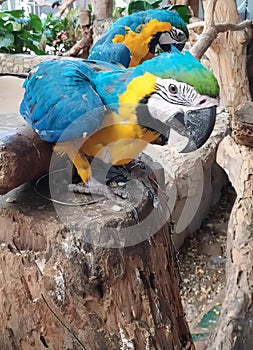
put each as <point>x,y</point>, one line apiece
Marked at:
<point>182,10</point>
<point>155,4</point>
<point>7,40</point>
<point>3,14</point>
<point>143,5</point>
<point>17,27</point>
<point>14,13</point>
<point>137,6</point>
<point>30,44</point>
<point>35,22</point>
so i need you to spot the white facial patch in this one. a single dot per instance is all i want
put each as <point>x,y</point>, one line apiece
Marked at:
<point>173,37</point>
<point>173,97</point>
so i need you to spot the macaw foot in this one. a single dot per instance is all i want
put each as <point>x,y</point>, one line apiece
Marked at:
<point>128,186</point>
<point>128,176</point>
<point>116,192</point>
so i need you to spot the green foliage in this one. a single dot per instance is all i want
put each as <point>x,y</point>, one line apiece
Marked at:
<point>21,33</point>
<point>60,34</point>
<point>182,10</point>
<point>142,5</point>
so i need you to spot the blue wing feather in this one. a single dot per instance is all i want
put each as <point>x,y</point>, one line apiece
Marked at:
<point>107,51</point>
<point>60,101</point>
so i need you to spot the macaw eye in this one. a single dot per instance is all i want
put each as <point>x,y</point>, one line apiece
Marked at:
<point>173,89</point>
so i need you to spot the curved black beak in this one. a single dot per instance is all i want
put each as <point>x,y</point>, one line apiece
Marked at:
<point>196,125</point>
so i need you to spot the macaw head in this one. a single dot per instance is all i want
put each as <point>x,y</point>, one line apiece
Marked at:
<point>176,37</point>
<point>175,92</point>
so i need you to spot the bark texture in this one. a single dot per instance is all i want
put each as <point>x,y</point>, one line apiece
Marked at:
<point>235,330</point>
<point>102,11</point>
<point>82,47</point>
<point>23,157</point>
<point>243,125</point>
<point>60,292</point>
<point>228,56</point>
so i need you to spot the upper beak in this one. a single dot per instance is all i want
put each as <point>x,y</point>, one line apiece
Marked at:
<point>196,125</point>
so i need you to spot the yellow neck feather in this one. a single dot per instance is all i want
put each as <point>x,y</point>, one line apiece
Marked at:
<point>137,89</point>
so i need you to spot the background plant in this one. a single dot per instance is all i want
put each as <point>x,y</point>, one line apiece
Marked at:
<point>21,32</point>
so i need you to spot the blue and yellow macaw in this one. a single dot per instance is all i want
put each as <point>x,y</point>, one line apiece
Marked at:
<point>96,109</point>
<point>133,39</point>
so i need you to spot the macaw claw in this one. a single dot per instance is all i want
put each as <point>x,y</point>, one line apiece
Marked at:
<point>128,186</point>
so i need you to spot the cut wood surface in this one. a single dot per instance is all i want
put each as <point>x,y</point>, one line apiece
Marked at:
<point>59,291</point>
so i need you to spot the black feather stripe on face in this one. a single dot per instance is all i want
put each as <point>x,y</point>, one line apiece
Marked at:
<point>153,42</point>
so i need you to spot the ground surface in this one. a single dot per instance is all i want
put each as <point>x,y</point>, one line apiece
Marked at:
<point>202,266</point>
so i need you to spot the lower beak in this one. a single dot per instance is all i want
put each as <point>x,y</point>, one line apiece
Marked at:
<point>179,46</point>
<point>165,47</point>
<point>196,125</point>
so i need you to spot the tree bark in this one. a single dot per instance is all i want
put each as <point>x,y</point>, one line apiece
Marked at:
<point>61,292</point>
<point>194,4</point>
<point>235,329</point>
<point>228,57</point>
<point>23,157</point>
<point>243,125</point>
<point>82,47</point>
<point>102,11</point>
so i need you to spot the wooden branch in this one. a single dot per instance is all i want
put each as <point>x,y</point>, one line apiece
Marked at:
<point>194,25</point>
<point>66,4</point>
<point>23,157</point>
<point>41,3</point>
<point>223,27</point>
<point>82,47</point>
<point>204,42</point>
<point>211,33</point>
<point>209,14</point>
<point>211,30</point>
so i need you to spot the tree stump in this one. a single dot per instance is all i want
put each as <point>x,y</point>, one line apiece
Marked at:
<point>235,329</point>
<point>61,288</point>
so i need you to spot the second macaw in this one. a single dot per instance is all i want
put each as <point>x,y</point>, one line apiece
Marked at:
<point>132,39</point>
<point>95,109</point>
